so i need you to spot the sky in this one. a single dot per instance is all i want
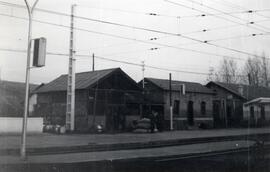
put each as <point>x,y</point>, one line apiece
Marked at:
<point>176,26</point>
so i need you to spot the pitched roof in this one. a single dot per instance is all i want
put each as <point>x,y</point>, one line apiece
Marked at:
<point>82,80</point>
<point>249,92</point>
<point>189,86</point>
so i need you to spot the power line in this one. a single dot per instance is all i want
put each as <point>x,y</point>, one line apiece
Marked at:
<point>112,60</point>
<point>195,9</point>
<point>156,14</point>
<point>156,31</point>
<point>163,32</point>
<point>204,30</point>
<point>228,14</point>
<point>133,39</point>
<point>120,61</point>
<point>229,4</point>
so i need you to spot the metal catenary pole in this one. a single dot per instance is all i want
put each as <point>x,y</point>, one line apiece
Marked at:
<point>70,109</point>
<point>27,78</point>
<point>171,108</point>
<point>143,69</point>
<point>93,62</point>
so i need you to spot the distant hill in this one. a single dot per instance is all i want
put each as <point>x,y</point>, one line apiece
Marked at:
<point>12,98</point>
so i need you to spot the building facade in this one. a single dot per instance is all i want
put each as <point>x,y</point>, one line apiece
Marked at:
<point>227,104</point>
<point>106,97</point>
<point>229,99</point>
<point>191,108</point>
<point>257,112</point>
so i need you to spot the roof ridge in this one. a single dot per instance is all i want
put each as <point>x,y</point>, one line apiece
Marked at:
<point>96,70</point>
<point>173,80</point>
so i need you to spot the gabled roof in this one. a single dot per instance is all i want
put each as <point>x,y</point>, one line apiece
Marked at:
<point>83,80</point>
<point>192,87</point>
<point>249,92</point>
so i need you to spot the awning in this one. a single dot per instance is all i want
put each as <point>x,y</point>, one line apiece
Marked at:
<point>261,100</point>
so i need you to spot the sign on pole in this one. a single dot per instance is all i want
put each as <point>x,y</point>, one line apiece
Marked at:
<point>39,52</point>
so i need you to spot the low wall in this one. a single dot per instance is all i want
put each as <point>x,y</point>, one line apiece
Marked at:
<point>14,125</point>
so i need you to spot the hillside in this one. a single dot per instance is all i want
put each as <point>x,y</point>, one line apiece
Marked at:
<point>12,98</point>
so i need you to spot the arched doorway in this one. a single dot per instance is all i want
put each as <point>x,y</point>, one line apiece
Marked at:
<point>190,115</point>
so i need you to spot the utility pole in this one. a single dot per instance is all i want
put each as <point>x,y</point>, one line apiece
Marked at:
<point>171,108</point>
<point>93,62</point>
<point>70,109</point>
<point>143,93</point>
<point>143,69</point>
<point>30,11</point>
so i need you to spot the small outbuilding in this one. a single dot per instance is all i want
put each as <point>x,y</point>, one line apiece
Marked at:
<point>257,111</point>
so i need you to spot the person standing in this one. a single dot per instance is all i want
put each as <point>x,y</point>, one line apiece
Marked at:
<point>159,122</point>
<point>152,117</point>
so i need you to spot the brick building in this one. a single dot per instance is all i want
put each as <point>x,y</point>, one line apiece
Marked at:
<point>189,110</point>
<point>107,97</point>
<point>229,99</point>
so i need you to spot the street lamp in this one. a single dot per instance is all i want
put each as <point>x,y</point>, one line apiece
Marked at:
<point>30,11</point>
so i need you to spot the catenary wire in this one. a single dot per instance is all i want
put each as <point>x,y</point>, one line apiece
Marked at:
<point>156,31</point>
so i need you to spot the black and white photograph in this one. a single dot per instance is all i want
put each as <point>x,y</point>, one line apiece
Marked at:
<point>134,86</point>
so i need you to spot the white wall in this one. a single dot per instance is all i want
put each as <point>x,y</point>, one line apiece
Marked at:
<point>32,103</point>
<point>14,125</point>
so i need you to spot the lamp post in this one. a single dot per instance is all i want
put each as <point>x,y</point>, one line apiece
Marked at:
<point>30,11</point>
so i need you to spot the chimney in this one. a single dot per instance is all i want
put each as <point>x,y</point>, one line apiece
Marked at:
<point>241,90</point>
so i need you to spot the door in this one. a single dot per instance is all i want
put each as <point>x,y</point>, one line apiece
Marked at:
<point>262,112</point>
<point>216,114</point>
<point>190,114</point>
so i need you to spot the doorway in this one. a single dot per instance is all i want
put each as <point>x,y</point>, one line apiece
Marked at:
<point>190,114</point>
<point>216,114</point>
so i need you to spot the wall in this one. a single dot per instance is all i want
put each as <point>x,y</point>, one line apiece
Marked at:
<point>180,120</point>
<point>227,100</point>
<point>32,103</point>
<point>197,98</point>
<point>14,125</point>
<point>257,112</point>
<point>52,106</point>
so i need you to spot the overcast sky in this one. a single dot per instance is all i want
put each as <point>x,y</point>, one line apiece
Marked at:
<point>170,18</point>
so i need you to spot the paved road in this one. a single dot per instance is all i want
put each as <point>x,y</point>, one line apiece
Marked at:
<point>50,140</point>
<point>129,154</point>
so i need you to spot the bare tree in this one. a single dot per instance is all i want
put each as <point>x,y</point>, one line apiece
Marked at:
<point>265,71</point>
<point>256,69</point>
<point>227,72</point>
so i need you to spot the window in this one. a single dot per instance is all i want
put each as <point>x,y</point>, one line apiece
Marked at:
<point>176,106</point>
<point>203,108</point>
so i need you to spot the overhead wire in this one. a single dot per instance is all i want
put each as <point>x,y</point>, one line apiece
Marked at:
<point>156,31</point>
<point>157,14</point>
<point>232,5</point>
<point>127,38</point>
<point>223,18</point>
<point>118,61</point>
<point>228,14</point>
<point>108,59</point>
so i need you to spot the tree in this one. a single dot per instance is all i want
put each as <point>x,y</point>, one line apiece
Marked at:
<point>227,72</point>
<point>256,69</point>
